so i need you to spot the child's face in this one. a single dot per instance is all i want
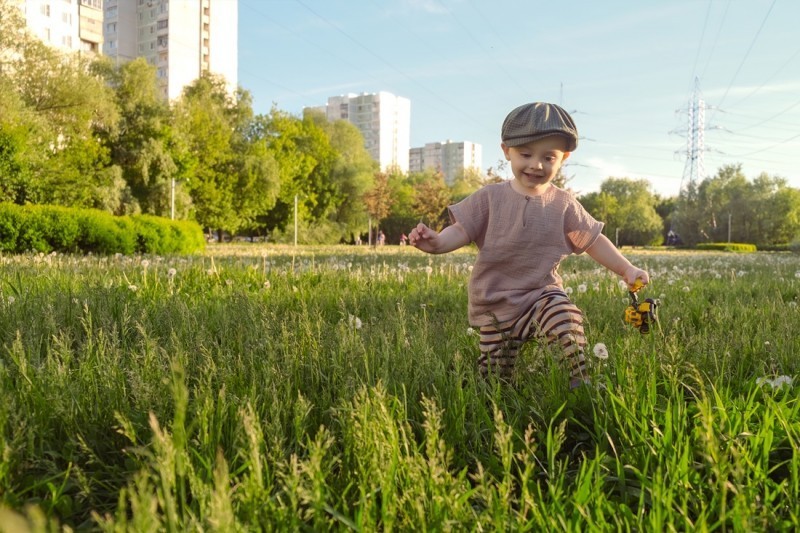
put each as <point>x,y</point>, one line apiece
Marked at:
<point>536,163</point>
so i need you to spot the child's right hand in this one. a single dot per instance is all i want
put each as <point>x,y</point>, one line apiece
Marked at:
<point>423,238</point>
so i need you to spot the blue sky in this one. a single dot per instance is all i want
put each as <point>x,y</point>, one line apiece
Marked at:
<point>625,69</point>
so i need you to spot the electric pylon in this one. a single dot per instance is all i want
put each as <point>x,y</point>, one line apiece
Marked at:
<point>694,168</point>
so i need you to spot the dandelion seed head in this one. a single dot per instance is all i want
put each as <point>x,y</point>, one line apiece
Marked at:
<point>582,287</point>
<point>145,263</point>
<point>600,351</point>
<point>354,322</point>
<point>568,290</point>
<point>11,299</point>
<point>171,272</point>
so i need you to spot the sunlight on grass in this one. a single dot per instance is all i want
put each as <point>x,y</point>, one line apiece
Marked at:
<point>335,388</point>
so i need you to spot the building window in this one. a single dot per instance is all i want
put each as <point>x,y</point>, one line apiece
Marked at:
<point>162,24</point>
<point>111,27</point>
<point>45,10</point>
<point>111,11</point>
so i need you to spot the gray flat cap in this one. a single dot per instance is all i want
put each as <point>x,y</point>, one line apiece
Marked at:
<point>536,120</point>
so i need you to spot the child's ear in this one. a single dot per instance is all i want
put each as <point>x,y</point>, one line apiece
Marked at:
<point>566,156</point>
<point>505,150</point>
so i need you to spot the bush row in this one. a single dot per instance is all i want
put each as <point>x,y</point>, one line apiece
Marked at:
<point>47,228</point>
<point>727,247</point>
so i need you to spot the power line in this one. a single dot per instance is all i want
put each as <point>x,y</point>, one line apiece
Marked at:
<point>754,91</point>
<point>700,43</point>
<point>371,52</point>
<point>749,49</point>
<point>769,147</point>
<point>716,38</point>
<point>475,40</point>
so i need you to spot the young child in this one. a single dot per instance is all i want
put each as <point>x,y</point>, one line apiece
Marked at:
<point>524,228</point>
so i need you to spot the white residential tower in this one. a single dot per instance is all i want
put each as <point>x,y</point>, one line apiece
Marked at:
<point>68,25</point>
<point>383,119</point>
<point>182,38</point>
<point>449,158</point>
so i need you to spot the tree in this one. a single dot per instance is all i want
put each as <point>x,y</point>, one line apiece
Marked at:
<point>64,102</point>
<point>431,199</point>
<point>351,175</point>
<point>230,173</point>
<point>467,182</point>
<point>141,145</point>
<point>378,199</point>
<point>627,205</point>
<point>305,160</point>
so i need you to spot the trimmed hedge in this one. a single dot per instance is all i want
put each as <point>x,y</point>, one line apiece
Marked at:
<point>49,228</point>
<point>727,247</point>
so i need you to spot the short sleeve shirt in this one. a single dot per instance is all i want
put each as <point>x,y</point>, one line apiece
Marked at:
<point>521,242</point>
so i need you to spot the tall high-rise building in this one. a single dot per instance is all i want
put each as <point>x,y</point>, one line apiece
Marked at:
<point>383,119</point>
<point>182,38</point>
<point>68,25</point>
<point>449,158</point>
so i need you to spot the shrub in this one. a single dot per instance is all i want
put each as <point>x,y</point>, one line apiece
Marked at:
<point>44,228</point>
<point>10,221</point>
<point>727,247</point>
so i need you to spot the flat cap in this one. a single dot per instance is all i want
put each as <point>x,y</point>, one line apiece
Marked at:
<point>531,122</point>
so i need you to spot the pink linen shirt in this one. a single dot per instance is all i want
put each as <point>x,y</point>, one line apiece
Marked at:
<point>521,241</point>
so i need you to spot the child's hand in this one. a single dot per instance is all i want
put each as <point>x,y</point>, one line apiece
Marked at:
<point>423,237</point>
<point>633,273</point>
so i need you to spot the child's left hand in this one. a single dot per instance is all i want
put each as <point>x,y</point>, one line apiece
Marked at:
<point>633,273</point>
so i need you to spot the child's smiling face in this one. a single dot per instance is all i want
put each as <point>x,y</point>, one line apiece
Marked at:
<point>536,163</point>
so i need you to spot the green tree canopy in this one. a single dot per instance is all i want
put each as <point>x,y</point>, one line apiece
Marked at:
<point>627,207</point>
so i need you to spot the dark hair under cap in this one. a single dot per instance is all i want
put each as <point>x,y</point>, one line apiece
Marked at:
<point>531,122</point>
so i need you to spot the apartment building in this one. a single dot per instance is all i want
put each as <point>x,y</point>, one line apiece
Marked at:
<point>383,119</point>
<point>450,158</point>
<point>181,38</point>
<point>68,25</point>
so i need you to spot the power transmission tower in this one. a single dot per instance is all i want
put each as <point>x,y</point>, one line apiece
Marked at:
<point>694,168</point>
<point>684,219</point>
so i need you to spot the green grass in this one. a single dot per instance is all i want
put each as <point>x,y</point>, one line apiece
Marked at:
<point>335,389</point>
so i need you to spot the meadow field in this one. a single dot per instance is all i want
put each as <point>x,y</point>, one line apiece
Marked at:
<point>334,388</point>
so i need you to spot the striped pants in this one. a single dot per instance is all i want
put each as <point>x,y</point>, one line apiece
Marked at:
<point>553,318</point>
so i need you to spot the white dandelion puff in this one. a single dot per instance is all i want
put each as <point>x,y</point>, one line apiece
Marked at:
<point>133,288</point>
<point>568,290</point>
<point>11,300</point>
<point>582,287</point>
<point>171,272</point>
<point>267,284</point>
<point>354,322</point>
<point>145,263</point>
<point>600,351</point>
<point>780,381</point>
